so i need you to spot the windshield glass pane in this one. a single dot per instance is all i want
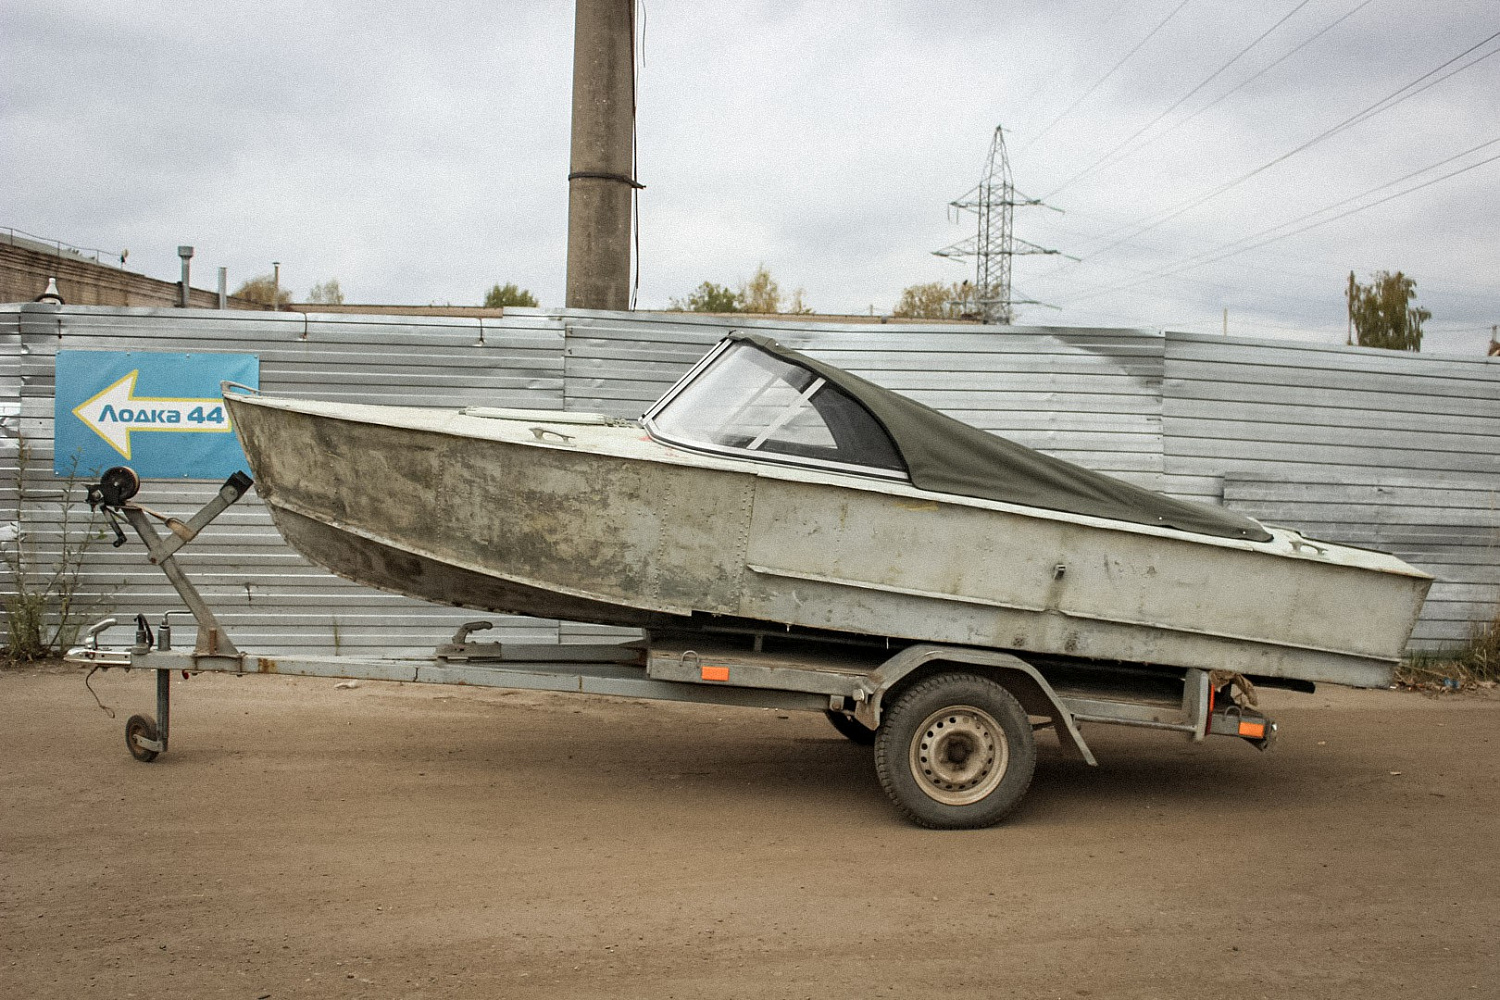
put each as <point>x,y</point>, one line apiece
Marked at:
<point>747,400</point>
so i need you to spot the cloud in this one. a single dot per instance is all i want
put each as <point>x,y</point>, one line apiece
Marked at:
<point>419,153</point>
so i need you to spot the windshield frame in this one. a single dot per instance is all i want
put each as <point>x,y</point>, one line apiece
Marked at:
<point>756,455</point>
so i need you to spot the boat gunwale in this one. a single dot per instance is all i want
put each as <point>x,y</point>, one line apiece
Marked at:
<point>461,564</point>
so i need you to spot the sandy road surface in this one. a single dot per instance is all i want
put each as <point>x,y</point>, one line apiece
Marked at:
<point>390,841</point>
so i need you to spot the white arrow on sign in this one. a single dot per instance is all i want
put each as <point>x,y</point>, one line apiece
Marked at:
<point>117,411</point>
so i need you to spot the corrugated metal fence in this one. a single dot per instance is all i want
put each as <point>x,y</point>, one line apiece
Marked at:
<point>1393,451</point>
<point>267,595</point>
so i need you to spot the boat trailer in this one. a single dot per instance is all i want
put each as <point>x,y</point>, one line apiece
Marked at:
<point>952,726</point>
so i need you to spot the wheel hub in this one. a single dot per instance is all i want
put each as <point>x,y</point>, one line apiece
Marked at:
<point>959,755</point>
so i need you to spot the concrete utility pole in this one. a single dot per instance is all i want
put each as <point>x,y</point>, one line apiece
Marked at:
<point>601,174</point>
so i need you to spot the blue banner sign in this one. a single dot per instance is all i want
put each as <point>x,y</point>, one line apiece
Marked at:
<point>159,413</point>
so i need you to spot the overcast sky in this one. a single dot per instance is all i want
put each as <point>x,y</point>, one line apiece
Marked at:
<point>419,152</point>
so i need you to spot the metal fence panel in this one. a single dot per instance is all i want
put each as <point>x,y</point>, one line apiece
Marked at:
<point>1272,409</point>
<point>1373,448</point>
<point>267,595</point>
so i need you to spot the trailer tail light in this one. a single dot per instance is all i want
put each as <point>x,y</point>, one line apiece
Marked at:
<point>1246,723</point>
<point>714,673</point>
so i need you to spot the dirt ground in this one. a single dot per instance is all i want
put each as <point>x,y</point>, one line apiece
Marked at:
<point>301,840</point>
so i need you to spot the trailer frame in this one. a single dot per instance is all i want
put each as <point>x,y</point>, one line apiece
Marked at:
<point>856,684</point>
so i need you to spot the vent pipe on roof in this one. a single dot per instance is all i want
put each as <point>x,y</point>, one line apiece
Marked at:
<point>186,253</point>
<point>50,295</point>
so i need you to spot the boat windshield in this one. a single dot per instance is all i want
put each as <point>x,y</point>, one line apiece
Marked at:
<point>749,403</point>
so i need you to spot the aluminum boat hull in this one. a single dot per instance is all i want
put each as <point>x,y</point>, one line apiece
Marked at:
<point>549,517</point>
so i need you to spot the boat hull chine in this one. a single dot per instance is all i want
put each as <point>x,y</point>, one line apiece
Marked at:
<point>388,567</point>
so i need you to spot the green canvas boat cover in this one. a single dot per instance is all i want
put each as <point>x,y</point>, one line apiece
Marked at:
<point>945,455</point>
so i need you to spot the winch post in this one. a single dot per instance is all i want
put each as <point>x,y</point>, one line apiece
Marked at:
<point>212,639</point>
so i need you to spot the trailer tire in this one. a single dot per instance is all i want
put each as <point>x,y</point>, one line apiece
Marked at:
<point>145,726</point>
<point>955,752</point>
<point>851,728</point>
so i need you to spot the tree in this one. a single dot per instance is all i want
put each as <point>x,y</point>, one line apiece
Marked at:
<point>43,555</point>
<point>508,294</point>
<point>1382,313</point>
<point>761,294</point>
<point>710,298</point>
<point>798,306</point>
<point>933,300</point>
<point>327,293</point>
<point>263,289</point>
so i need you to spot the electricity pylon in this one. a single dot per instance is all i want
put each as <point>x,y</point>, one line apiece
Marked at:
<point>994,200</point>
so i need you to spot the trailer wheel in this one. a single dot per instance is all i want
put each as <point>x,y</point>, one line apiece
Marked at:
<point>955,752</point>
<point>140,725</point>
<point>851,728</point>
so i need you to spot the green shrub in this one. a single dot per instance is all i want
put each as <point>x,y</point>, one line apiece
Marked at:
<point>44,603</point>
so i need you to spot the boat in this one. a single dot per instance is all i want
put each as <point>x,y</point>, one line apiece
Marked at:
<point>769,492</point>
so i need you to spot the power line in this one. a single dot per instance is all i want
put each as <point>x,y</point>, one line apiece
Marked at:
<point>1353,211</point>
<point>1353,198</point>
<point>1484,293</point>
<point>1218,253</point>
<point>1207,248</point>
<point>1203,83</point>
<point>1391,100</point>
<point>1126,154</point>
<point>1228,252</point>
<point>1169,273</point>
<point>1221,284</point>
<point>1097,83</point>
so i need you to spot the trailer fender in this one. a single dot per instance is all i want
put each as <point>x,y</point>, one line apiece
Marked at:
<point>1019,677</point>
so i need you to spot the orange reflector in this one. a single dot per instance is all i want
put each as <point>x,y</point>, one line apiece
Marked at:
<point>1254,730</point>
<point>715,673</point>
